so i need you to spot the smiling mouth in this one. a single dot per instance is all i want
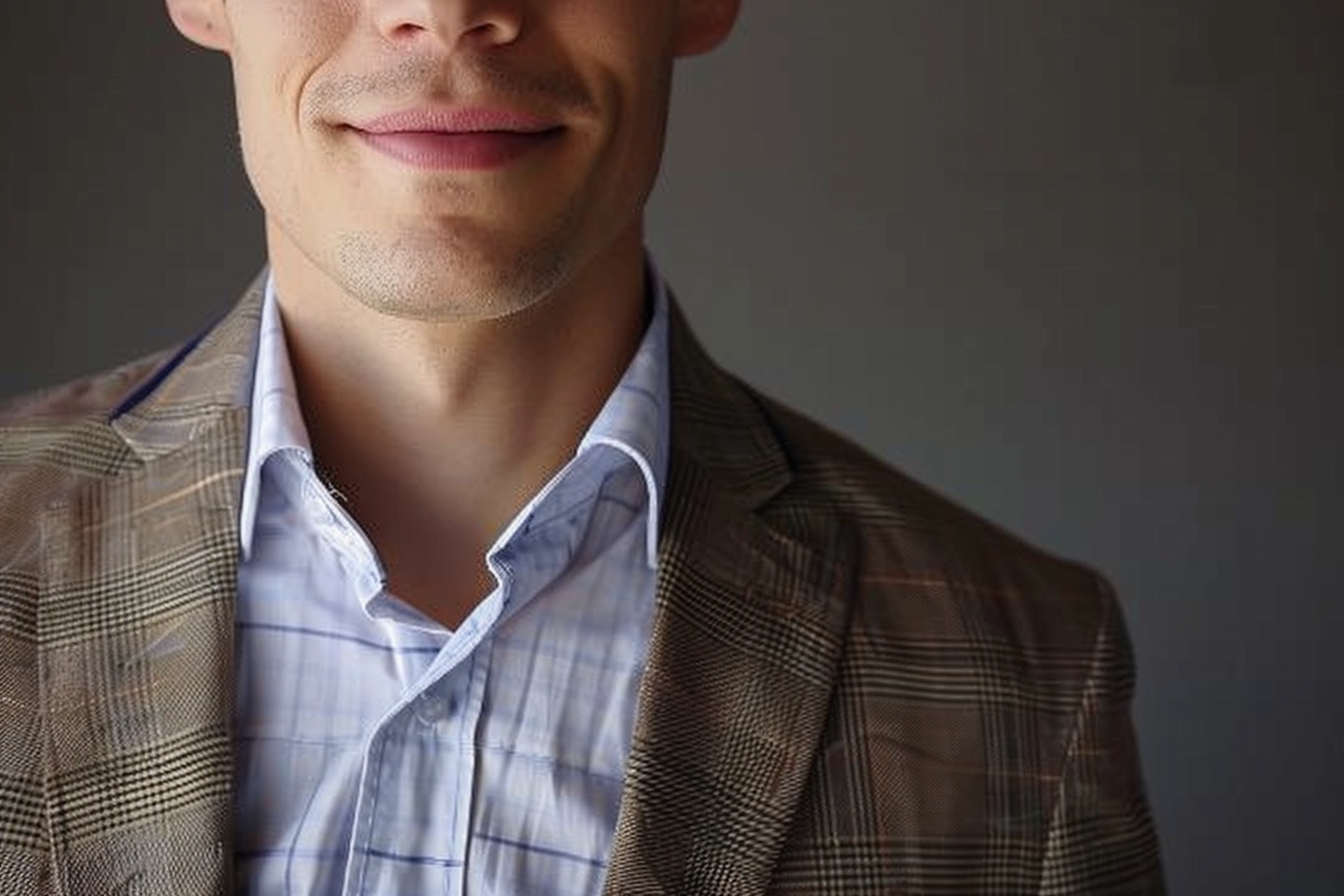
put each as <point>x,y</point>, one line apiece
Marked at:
<point>457,150</point>
<point>472,138</point>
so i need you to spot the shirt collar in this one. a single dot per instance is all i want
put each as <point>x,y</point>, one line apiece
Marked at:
<point>635,419</point>
<point>277,422</point>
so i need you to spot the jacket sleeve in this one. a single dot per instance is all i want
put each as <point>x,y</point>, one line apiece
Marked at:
<point>1101,838</point>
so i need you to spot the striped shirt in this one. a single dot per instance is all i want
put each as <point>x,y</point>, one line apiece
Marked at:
<point>380,753</point>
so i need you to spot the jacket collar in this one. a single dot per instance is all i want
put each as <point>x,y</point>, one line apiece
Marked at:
<point>209,377</point>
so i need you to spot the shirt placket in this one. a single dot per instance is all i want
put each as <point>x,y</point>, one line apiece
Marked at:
<point>414,806</point>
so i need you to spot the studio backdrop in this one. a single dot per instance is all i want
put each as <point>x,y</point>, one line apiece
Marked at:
<point>1075,263</point>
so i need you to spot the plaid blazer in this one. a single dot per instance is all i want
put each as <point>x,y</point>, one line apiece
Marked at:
<point>853,686</point>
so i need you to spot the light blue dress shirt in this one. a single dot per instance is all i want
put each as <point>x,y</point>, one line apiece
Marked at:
<point>380,753</point>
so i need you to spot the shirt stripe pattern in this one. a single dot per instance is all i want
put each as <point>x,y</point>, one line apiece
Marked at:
<point>378,752</point>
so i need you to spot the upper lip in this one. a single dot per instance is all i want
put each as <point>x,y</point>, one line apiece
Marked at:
<point>456,120</point>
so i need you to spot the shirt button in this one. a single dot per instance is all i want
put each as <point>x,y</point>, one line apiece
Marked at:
<point>430,709</point>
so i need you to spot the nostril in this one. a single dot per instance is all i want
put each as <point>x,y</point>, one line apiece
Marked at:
<point>483,23</point>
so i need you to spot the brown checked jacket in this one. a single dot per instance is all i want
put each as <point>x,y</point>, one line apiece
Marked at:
<point>853,686</point>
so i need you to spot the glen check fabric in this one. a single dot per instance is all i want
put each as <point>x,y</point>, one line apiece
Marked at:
<point>852,686</point>
<point>377,752</point>
<point>118,559</point>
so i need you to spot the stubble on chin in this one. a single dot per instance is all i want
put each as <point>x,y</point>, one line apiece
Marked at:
<point>451,276</point>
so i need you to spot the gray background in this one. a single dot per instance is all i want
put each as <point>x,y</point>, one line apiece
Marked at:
<point>1076,263</point>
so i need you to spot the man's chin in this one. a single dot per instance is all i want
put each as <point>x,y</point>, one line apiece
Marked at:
<point>424,289</point>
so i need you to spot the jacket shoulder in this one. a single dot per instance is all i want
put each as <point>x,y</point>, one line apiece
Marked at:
<point>75,402</point>
<point>987,677</point>
<point>835,475</point>
<point>928,565</point>
<point>54,438</point>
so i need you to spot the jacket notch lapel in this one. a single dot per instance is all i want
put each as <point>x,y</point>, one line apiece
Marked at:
<point>742,659</point>
<point>135,631</point>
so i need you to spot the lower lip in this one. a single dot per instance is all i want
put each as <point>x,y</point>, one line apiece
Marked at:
<point>467,151</point>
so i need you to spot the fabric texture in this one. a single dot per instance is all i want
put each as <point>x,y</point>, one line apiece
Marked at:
<point>852,685</point>
<point>376,751</point>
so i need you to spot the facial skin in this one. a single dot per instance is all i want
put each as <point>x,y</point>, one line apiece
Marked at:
<point>416,224</point>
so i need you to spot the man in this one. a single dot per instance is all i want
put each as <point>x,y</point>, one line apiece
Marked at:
<point>447,562</point>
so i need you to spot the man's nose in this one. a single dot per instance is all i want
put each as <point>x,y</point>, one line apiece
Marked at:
<point>448,22</point>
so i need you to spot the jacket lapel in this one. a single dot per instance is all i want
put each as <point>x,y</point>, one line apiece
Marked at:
<point>746,639</point>
<point>135,625</point>
<point>138,575</point>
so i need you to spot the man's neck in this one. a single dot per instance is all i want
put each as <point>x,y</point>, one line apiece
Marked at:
<point>438,433</point>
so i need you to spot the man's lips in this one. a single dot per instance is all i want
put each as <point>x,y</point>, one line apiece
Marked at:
<point>468,139</point>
